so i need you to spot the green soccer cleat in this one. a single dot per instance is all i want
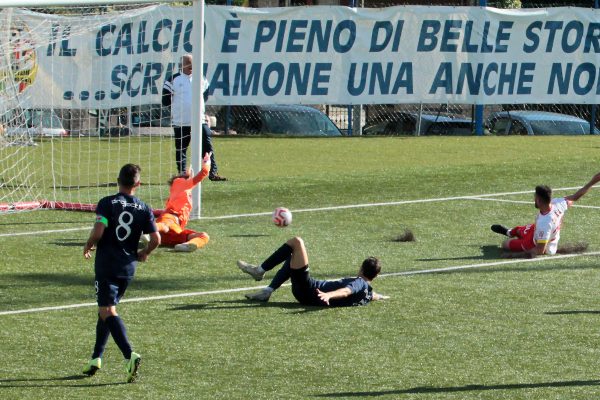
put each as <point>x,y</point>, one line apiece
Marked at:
<point>92,366</point>
<point>131,367</point>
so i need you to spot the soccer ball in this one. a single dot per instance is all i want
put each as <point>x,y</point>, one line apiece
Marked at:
<point>282,217</point>
<point>144,240</point>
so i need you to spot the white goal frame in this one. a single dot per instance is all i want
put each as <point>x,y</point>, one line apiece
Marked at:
<point>198,55</point>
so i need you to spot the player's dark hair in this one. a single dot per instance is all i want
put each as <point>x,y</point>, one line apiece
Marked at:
<point>184,175</point>
<point>129,175</point>
<point>544,193</point>
<point>370,268</point>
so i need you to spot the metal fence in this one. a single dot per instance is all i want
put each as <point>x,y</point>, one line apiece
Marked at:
<point>377,119</point>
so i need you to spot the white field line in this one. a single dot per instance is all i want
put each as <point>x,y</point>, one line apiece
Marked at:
<point>131,300</point>
<point>526,202</point>
<point>87,228</point>
<point>243,289</point>
<point>331,208</point>
<point>491,264</point>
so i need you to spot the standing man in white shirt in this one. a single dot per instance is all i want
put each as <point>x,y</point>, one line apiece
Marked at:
<point>177,93</point>
<point>543,236</point>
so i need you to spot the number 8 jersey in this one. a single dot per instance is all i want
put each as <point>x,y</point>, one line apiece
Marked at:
<point>125,219</point>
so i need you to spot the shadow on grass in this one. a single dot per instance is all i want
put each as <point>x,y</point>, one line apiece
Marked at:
<point>245,304</point>
<point>102,185</point>
<point>493,253</point>
<point>466,388</point>
<point>249,235</point>
<point>53,278</point>
<point>98,185</point>
<point>68,243</point>
<point>140,283</point>
<point>47,382</point>
<point>572,312</point>
<point>488,252</point>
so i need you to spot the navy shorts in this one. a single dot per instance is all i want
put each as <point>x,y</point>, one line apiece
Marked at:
<point>110,290</point>
<point>304,287</point>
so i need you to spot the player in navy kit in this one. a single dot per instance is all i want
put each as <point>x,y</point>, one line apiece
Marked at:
<point>120,221</point>
<point>307,290</point>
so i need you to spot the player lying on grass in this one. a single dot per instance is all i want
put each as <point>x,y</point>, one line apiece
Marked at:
<point>171,223</point>
<point>543,236</point>
<point>120,221</point>
<point>307,290</point>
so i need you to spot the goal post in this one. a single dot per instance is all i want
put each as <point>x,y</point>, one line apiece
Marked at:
<point>80,95</point>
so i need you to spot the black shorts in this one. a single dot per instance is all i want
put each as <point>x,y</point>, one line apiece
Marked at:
<point>304,287</point>
<point>110,290</point>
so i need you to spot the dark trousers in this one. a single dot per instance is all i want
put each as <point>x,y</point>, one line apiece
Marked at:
<point>183,137</point>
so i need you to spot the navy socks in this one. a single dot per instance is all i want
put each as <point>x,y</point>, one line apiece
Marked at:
<point>280,255</point>
<point>102,334</point>
<point>281,276</point>
<point>119,334</point>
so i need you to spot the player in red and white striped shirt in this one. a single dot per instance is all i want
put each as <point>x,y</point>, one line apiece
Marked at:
<point>543,236</point>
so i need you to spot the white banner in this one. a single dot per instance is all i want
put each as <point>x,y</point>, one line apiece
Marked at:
<point>324,55</point>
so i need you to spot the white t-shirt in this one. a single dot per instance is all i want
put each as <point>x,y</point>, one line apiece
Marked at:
<point>181,101</point>
<point>547,226</point>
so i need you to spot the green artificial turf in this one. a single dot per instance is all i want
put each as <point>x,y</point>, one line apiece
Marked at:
<point>520,330</point>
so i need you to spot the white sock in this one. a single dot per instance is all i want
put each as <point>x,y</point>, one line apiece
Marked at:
<point>508,233</point>
<point>260,269</point>
<point>269,289</point>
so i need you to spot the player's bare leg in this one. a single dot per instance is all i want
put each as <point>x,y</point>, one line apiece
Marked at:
<point>293,249</point>
<point>293,253</point>
<point>299,254</point>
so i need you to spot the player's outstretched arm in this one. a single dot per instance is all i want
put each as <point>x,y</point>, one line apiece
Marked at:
<point>95,236</point>
<point>336,294</point>
<point>206,163</point>
<point>379,296</point>
<point>577,195</point>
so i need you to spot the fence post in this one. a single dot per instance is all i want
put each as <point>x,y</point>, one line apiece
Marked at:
<point>594,106</point>
<point>350,119</point>
<point>419,119</point>
<point>349,108</point>
<point>357,115</point>
<point>227,107</point>
<point>479,107</point>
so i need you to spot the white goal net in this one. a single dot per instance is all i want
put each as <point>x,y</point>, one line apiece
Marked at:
<point>80,95</point>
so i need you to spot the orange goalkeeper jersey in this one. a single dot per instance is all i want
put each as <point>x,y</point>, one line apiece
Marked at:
<point>179,202</point>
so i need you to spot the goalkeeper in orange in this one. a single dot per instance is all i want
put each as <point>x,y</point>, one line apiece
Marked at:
<point>171,223</point>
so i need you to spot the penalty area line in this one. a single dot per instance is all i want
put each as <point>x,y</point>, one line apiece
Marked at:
<point>526,202</point>
<point>87,228</point>
<point>132,300</point>
<point>244,289</point>
<point>492,264</point>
